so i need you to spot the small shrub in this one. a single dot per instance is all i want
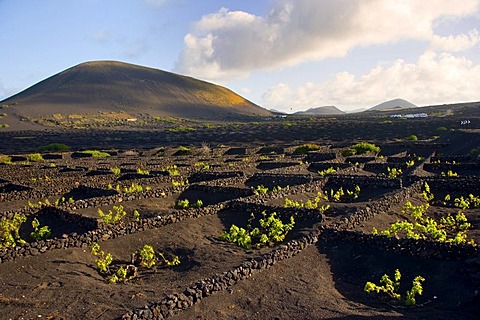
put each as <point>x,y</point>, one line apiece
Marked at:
<point>112,217</point>
<point>180,183</point>
<point>330,170</point>
<point>35,157</point>
<point>53,147</point>
<point>116,170</point>
<point>143,171</point>
<point>104,259</point>
<point>9,230</point>
<point>39,233</point>
<point>96,153</point>
<point>361,148</point>
<point>412,137</point>
<point>169,263</point>
<point>133,188</point>
<point>202,165</point>
<point>391,287</point>
<point>305,148</point>
<point>183,204</point>
<point>344,195</point>
<point>394,173</point>
<point>197,204</point>
<point>270,230</point>
<point>147,256</point>
<point>5,159</point>
<point>260,190</point>
<point>449,173</point>
<point>121,275</point>
<point>309,204</point>
<point>136,215</point>
<point>449,229</point>
<point>172,171</point>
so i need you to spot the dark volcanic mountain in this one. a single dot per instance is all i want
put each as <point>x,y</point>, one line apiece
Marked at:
<point>392,105</point>
<point>109,86</point>
<point>321,111</point>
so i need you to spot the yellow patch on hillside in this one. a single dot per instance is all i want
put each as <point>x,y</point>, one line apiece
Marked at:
<point>220,96</point>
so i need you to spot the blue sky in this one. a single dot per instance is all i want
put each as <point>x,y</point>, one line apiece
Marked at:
<point>284,54</point>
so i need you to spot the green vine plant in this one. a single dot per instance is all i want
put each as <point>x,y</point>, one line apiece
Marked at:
<point>144,257</point>
<point>462,202</point>
<point>104,259</point>
<point>426,194</point>
<point>47,203</point>
<point>391,287</point>
<point>9,231</point>
<point>324,172</point>
<point>278,188</point>
<point>465,203</point>
<point>185,204</point>
<point>449,173</point>
<point>143,172</point>
<point>260,190</point>
<point>112,217</point>
<point>202,165</point>
<point>130,189</point>
<point>62,200</point>
<point>169,263</point>
<point>147,257</point>
<point>449,229</point>
<point>39,233</point>
<point>309,204</point>
<point>344,195</point>
<point>172,170</point>
<point>270,230</point>
<point>394,173</point>
<point>116,170</point>
<point>180,183</point>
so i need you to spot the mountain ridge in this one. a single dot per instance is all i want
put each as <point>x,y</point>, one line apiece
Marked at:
<point>324,110</point>
<point>393,104</point>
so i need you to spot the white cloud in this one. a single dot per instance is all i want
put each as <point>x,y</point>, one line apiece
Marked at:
<point>230,44</point>
<point>433,79</point>
<point>457,43</point>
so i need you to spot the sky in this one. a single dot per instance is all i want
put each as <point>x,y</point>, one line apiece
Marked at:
<point>287,55</point>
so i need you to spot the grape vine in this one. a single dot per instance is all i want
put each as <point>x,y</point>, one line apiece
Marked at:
<point>391,287</point>
<point>270,230</point>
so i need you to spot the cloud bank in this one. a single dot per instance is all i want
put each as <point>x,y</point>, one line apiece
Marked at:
<point>457,43</point>
<point>436,78</point>
<point>231,44</point>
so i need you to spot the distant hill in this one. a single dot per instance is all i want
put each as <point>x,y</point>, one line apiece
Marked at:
<point>277,112</point>
<point>392,105</point>
<point>110,86</point>
<point>321,111</point>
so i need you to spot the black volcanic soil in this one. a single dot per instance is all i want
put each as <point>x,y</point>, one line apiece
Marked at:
<point>324,281</point>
